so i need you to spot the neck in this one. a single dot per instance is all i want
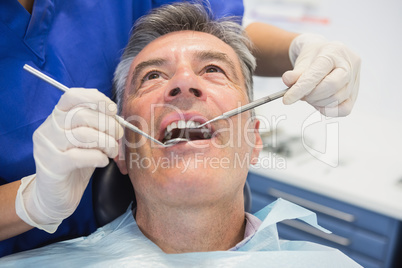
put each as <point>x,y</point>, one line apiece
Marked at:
<point>179,230</point>
<point>27,4</point>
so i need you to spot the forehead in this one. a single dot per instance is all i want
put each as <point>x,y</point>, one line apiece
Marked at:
<point>184,43</point>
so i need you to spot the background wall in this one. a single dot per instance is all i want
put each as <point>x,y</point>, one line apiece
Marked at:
<point>373,29</point>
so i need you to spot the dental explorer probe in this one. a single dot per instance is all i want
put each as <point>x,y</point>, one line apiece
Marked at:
<point>235,111</point>
<point>63,88</point>
<point>247,107</point>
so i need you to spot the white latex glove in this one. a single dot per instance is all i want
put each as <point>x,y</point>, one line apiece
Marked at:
<point>79,135</point>
<point>326,75</point>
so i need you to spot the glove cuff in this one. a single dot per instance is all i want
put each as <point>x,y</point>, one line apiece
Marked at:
<point>25,195</point>
<point>300,41</point>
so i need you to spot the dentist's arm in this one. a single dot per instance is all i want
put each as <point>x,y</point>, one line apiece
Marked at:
<point>271,48</point>
<point>10,224</point>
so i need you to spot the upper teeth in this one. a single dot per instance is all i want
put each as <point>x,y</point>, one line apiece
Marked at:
<point>181,124</point>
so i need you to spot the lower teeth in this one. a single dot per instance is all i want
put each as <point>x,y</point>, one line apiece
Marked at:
<point>206,135</point>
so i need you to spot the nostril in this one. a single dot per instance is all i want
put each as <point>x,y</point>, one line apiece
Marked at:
<point>174,92</point>
<point>196,92</point>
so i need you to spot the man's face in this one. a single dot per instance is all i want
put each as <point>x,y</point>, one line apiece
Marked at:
<point>178,80</point>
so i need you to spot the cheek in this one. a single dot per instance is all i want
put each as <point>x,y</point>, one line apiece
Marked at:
<point>151,86</point>
<point>140,102</point>
<point>244,131</point>
<point>228,97</point>
<point>137,113</point>
<point>138,108</point>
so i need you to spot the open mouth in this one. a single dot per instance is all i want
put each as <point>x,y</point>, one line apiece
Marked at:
<point>182,129</point>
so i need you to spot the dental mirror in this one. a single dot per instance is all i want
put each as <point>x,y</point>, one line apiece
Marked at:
<point>175,141</point>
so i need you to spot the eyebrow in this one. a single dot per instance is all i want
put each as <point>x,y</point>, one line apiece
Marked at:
<point>146,64</point>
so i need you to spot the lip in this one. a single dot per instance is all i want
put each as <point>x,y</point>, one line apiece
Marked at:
<point>174,116</point>
<point>192,145</point>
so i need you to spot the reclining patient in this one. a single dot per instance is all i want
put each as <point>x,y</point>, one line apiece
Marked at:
<point>180,69</point>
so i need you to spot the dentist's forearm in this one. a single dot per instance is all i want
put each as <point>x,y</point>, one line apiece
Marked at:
<point>10,224</point>
<point>271,48</point>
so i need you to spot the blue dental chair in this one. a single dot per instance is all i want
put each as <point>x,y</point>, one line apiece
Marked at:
<point>112,193</point>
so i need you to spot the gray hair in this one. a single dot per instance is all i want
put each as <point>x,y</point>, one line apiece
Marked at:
<point>181,17</point>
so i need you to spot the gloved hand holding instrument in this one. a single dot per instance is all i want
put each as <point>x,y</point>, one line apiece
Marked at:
<point>326,75</point>
<point>81,134</point>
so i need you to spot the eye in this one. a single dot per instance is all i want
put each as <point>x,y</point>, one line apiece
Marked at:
<point>150,78</point>
<point>151,75</point>
<point>213,69</point>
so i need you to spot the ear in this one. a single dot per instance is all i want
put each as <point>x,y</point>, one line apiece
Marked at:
<point>258,142</point>
<point>120,159</point>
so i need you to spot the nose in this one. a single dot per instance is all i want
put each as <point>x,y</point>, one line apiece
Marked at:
<point>192,91</point>
<point>185,84</point>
